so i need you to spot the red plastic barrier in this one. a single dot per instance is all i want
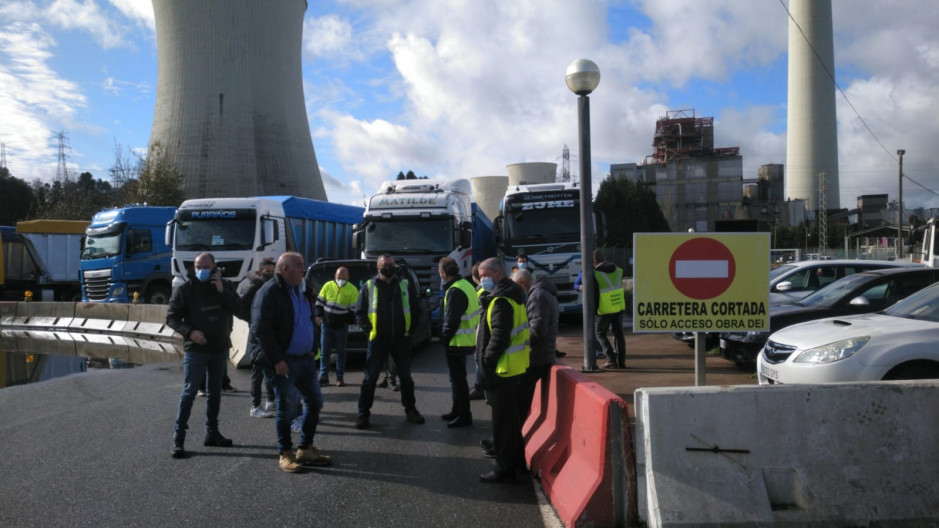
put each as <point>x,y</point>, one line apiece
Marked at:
<point>578,439</point>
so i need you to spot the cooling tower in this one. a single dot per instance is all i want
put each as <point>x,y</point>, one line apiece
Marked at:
<point>488,192</point>
<point>230,112</point>
<point>812,136</point>
<point>534,172</point>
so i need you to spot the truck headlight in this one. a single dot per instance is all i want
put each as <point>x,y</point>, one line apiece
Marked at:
<point>118,290</point>
<point>833,351</point>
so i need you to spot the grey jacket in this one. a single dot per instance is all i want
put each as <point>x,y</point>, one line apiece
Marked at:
<point>543,310</point>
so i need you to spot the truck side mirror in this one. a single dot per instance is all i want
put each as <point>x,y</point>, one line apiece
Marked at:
<point>268,234</point>
<point>466,236</point>
<point>168,234</point>
<point>497,230</point>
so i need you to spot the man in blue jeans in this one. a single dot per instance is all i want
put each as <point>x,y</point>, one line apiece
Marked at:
<point>281,339</point>
<point>335,311</point>
<point>201,310</point>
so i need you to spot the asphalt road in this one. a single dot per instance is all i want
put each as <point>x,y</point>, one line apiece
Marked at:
<point>93,449</point>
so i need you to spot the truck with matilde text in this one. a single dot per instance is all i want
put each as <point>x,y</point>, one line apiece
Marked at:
<point>241,232</point>
<point>421,221</point>
<point>125,253</point>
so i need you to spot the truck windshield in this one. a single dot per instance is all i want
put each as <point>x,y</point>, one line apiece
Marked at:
<point>558,224</point>
<point>102,246</point>
<point>215,234</point>
<point>409,236</point>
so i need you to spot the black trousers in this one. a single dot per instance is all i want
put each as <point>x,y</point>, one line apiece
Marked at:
<point>526,388</point>
<point>459,387</point>
<point>502,395</point>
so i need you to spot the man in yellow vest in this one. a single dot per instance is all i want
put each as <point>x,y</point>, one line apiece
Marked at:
<point>335,311</point>
<point>610,306</point>
<point>502,350</point>
<point>387,309</point>
<point>458,335</point>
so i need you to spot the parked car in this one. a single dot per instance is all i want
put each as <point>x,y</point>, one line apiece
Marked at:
<point>793,281</point>
<point>865,292</point>
<point>897,343</point>
<point>360,271</point>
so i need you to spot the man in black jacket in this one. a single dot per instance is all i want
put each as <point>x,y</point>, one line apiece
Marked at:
<point>388,309</point>
<point>281,339</point>
<point>201,311</point>
<point>502,351</point>
<point>247,291</point>
<point>543,313</point>
<point>458,335</point>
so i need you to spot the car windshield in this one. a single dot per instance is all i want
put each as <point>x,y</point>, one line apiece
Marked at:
<point>834,292</point>
<point>780,271</point>
<point>923,305</point>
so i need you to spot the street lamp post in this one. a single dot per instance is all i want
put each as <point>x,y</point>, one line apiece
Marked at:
<point>900,209</point>
<point>583,76</point>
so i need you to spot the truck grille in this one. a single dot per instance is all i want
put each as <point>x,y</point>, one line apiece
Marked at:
<point>776,352</point>
<point>97,284</point>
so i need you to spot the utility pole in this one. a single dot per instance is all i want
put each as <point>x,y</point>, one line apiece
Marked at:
<point>900,153</point>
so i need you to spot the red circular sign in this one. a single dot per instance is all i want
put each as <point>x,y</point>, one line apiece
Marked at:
<point>702,268</point>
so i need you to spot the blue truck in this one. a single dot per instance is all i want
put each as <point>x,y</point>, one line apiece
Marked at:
<point>125,253</point>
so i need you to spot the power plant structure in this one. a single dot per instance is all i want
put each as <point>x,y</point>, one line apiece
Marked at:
<point>532,172</point>
<point>230,113</point>
<point>811,131</point>
<point>488,191</point>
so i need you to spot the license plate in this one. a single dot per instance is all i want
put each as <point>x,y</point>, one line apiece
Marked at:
<point>355,328</point>
<point>769,372</point>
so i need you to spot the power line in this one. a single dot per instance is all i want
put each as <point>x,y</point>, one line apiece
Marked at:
<point>831,75</point>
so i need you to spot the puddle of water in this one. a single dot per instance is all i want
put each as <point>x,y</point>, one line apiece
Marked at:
<point>33,356</point>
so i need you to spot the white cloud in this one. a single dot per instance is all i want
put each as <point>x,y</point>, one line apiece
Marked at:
<point>329,37</point>
<point>87,16</point>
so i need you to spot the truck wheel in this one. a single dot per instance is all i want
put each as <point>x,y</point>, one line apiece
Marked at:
<point>71,295</point>
<point>158,294</point>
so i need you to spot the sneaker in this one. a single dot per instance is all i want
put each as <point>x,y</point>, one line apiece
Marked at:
<point>216,439</point>
<point>610,365</point>
<point>229,388</point>
<point>289,463</point>
<point>414,416</point>
<point>340,383</point>
<point>395,388</point>
<point>270,406</point>
<point>476,394</point>
<point>361,422</point>
<point>200,392</point>
<point>260,412</point>
<point>383,383</point>
<point>178,451</point>
<point>296,425</point>
<point>310,456</point>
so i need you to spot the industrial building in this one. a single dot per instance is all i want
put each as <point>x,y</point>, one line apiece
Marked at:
<point>230,114</point>
<point>695,183</point>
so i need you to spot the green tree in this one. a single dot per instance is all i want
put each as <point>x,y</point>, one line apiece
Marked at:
<point>71,200</point>
<point>627,208</point>
<point>157,182</point>
<point>17,197</point>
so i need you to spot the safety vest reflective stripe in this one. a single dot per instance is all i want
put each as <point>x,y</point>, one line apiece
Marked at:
<point>336,300</point>
<point>465,335</point>
<point>373,307</point>
<point>514,361</point>
<point>611,297</point>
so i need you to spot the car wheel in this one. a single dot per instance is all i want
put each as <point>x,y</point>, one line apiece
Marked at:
<point>914,371</point>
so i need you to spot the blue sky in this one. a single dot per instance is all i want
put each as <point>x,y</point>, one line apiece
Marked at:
<point>461,88</point>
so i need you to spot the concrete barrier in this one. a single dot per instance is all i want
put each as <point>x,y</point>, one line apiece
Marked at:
<point>239,344</point>
<point>828,455</point>
<point>147,321</point>
<point>578,440</point>
<point>100,317</point>
<point>42,342</point>
<point>43,315</point>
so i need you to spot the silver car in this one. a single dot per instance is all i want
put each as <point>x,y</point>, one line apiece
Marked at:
<point>793,281</point>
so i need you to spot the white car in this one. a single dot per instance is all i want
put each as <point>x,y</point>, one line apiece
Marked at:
<point>794,280</point>
<point>901,342</point>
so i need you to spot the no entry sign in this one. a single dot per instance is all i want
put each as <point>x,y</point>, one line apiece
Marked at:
<point>702,268</point>
<point>700,282</point>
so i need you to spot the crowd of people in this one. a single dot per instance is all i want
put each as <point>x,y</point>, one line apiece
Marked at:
<point>507,322</point>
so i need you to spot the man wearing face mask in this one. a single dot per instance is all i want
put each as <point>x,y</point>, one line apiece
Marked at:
<point>458,335</point>
<point>335,311</point>
<point>201,310</point>
<point>387,308</point>
<point>521,263</point>
<point>247,290</point>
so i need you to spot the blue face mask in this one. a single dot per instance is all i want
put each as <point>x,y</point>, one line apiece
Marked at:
<point>522,265</point>
<point>203,274</point>
<point>487,283</point>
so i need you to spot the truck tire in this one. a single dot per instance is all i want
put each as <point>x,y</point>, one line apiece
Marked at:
<point>70,295</point>
<point>158,294</point>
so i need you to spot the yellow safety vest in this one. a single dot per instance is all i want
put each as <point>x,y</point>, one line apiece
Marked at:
<point>373,307</point>
<point>466,334</point>
<point>612,299</point>
<point>514,361</point>
<point>336,300</point>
